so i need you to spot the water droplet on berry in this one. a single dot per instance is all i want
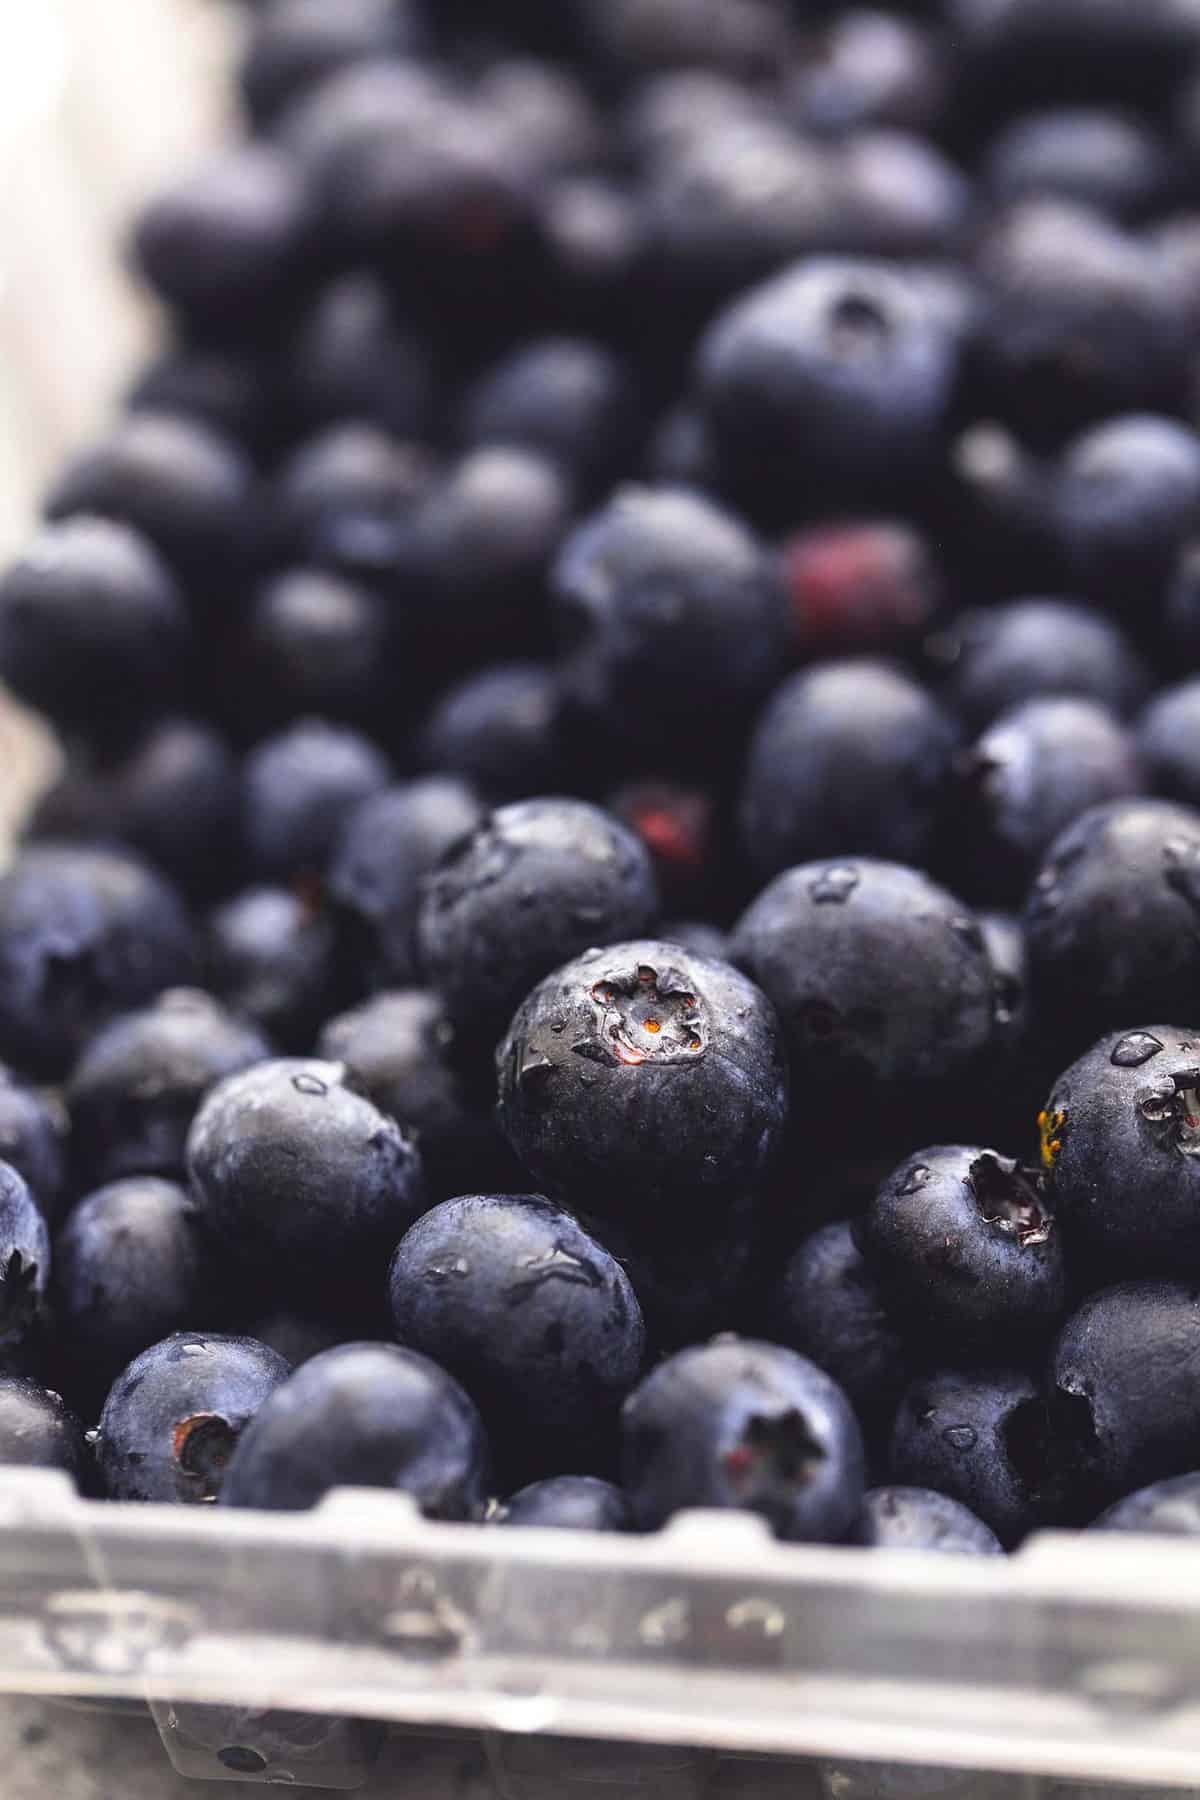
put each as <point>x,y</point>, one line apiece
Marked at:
<point>967,930</point>
<point>918,1176</point>
<point>1135,1049</point>
<point>960,1437</point>
<point>310,1084</point>
<point>834,884</point>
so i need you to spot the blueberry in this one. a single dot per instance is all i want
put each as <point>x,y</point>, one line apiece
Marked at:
<point>1110,919</point>
<point>846,758</point>
<point>38,1431</point>
<point>672,613</point>
<point>829,1306</point>
<point>911,1518</point>
<point>24,1259</point>
<point>836,373</point>
<point>296,1337</point>
<point>545,111</point>
<point>1168,1508</point>
<point>1001,656</point>
<point>535,884</point>
<point>1121,1396</point>
<point>299,787</point>
<point>173,1417</point>
<point>981,1439</point>
<point>364,1415</point>
<point>388,845</point>
<point>127,1271</point>
<point>399,1045</point>
<point>568,1503</point>
<point>593,242</point>
<point>745,38</point>
<point>1100,157</point>
<point>135,1089</point>
<point>299,1177</point>
<point>532,1315</point>
<point>294,44</point>
<point>184,487</point>
<point>745,1425</point>
<point>694,1271</point>
<point>860,585</point>
<point>319,643</point>
<point>225,389</point>
<point>868,67</point>
<point>903,196</point>
<point>573,400</point>
<point>966,1252</point>
<point>1119,1132</point>
<point>272,957</point>
<point>352,359</point>
<point>500,729</point>
<point>644,1080</point>
<point>345,499</point>
<point>1168,732</point>
<point>882,983</point>
<point>230,242</point>
<point>93,630</point>
<point>84,934</point>
<point>1030,774</point>
<point>34,1128</point>
<point>175,798</point>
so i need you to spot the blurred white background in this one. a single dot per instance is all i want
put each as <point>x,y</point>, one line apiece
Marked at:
<point>100,100</point>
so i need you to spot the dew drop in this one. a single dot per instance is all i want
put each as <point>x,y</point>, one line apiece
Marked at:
<point>453,1268</point>
<point>918,1176</point>
<point>960,1437</point>
<point>1135,1049</point>
<point>834,884</point>
<point>310,1084</point>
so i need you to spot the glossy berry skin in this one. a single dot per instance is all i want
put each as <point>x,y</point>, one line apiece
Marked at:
<point>174,1416</point>
<point>1131,861</point>
<point>179,483</point>
<point>34,1135</point>
<point>298,1176</point>
<point>981,1439</point>
<point>840,370</point>
<point>966,1252</point>
<point>272,957</point>
<point>134,1091</point>
<point>388,845</point>
<point>344,500</point>
<point>1168,733</point>
<point>317,643</point>
<point>127,1271</point>
<point>37,1430</point>
<point>533,1316</point>
<point>846,758</point>
<point>1099,157</point>
<point>670,611</point>
<point>24,1258</point>
<point>860,586</point>
<point>500,730</point>
<point>744,1425</point>
<point>1004,656</point>
<point>1122,1400</point>
<point>1031,773</point>
<point>352,358</point>
<point>230,241</point>
<point>882,983</point>
<point>299,788</point>
<point>829,1306</point>
<point>84,934</point>
<point>573,400</point>
<point>568,1503</point>
<point>364,1415</point>
<point>537,883</point>
<point>1117,1135</point>
<point>93,629</point>
<point>399,1045</point>
<point>665,1088</point>
<point>1126,497</point>
<point>1168,1508</point>
<point>911,1518</point>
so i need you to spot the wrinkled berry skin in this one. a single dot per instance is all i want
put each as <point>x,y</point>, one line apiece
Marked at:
<point>273,959</point>
<point>127,1271</point>
<point>33,1140</point>
<point>300,1177</point>
<point>1168,1508</point>
<point>1122,1393</point>
<point>670,612</point>
<point>134,1092</point>
<point>364,1415</point>
<point>172,1419</point>
<point>569,1503</point>
<point>399,1047</point>
<point>979,1438</point>
<point>38,1431</point>
<point>536,1319</point>
<point>1119,1135</point>
<point>24,1258</point>
<point>744,1425</point>
<point>84,934</point>
<point>847,758</point>
<point>628,1120</point>
<point>537,883</point>
<point>1111,918</point>
<point>829,1307</point>
<point>882,982</point>
<point>966,1251</point>
<point>911,1518</point>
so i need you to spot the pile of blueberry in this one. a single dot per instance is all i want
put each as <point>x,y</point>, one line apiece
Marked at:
<point>629,694</point>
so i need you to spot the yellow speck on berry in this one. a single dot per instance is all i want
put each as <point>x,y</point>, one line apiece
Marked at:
<point>1050,1129</point>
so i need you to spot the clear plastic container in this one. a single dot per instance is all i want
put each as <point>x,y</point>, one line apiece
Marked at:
<point>360,1646</point>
